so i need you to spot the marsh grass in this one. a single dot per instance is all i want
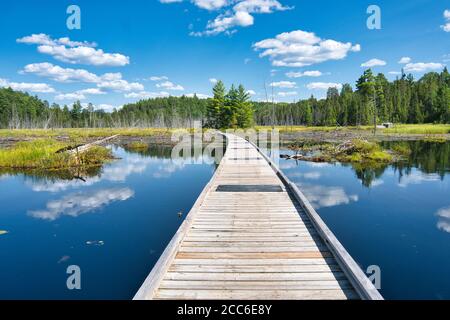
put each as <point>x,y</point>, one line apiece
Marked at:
<point>419,129</point>
<point>354,151</point>
<point>286,129</point>
<point>401,148</point>
<point>397,129</point>
<point>364,151</point>
<point>137,145</point>
<point>83,133</point>
<point>41,154</point>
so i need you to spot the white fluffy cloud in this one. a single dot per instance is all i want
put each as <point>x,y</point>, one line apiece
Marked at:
<point>283,84</point>
<point>225,22</point>
<point>287,93</point>
<point>446,26</point>
<point>423,67</point>
<point>43,39</point>
<point>210,4</point>
<point>300,48</point>
<point>240,15</point>
<point>373,63</point>
<point>74,52</point>
<point>106,107</point>
<point>28,87</point>
<point>93,91</point>
<point>251,92</point>
<point>404,60</point>
<point>79,95</point>
<point>198,95</point>
<point>312,73</point>
<point>323,85</point>
<point>60,74</point>
<point>213,80</point>
<point>112,81</point>
<point>159,78</point>
<point>168,85</point>
<point>146,95</point>
<point>70,96</point>
<point>116,83</point>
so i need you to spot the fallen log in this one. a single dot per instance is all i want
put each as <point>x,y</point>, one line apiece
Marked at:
<point>84,147</point>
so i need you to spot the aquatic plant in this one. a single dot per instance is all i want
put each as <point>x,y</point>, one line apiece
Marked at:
<point>42,154</point>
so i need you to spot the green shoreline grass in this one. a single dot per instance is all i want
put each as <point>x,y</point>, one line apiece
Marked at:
<point>354,151</point>
<point>423,129</point>
<point>41,154</point>
<point>40,151</point>
<point>137,145</point>
<point>74,133</point>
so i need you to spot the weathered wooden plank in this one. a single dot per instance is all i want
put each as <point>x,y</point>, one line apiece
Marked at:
<point>273,276</point>
<point>256,262</point>
<point>254,269</point>
<point>252,294</point>
<point>264,244</point>
<point>258,285</point>
<point>241,249</point>
<point>252,255</point>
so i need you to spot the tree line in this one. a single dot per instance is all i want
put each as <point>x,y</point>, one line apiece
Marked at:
<point>403,100</point>
<point>374,99</point>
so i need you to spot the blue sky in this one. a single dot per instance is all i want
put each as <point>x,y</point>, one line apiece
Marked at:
<point>137,49</point>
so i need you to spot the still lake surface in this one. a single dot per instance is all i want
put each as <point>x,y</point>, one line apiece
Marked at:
<point>114,226</point>
<point>117,222</point>
<point>394,216</point>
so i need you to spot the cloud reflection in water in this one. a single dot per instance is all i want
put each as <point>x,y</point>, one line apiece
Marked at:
<point>79,203</point>
<point>321,196</point>
<point>444,219</point>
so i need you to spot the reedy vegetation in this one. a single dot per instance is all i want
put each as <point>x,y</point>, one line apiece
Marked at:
<point>42,154</point>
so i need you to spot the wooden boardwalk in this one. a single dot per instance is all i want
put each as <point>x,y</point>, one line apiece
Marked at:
<point>252,235</point>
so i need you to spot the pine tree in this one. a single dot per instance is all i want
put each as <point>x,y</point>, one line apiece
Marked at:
<point>332,107</point>
<point>345,101</point>
<point>244,108</point>
<point>366,89</point>
<point>75,114</point>
<point>228,115</point>
<point>216,106</point>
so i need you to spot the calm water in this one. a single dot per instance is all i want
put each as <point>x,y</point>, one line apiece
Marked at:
<point>114,225</point>
<point>396,217</point>
<point>117,222</point>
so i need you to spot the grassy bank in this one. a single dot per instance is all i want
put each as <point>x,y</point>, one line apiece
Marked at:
<point>137,146</point>
<point>42,154</point>
<point>352,151</point>
<point>74,133</point>
<point>397,129</point>
<point>419,129</point>
<point>82,133</point>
